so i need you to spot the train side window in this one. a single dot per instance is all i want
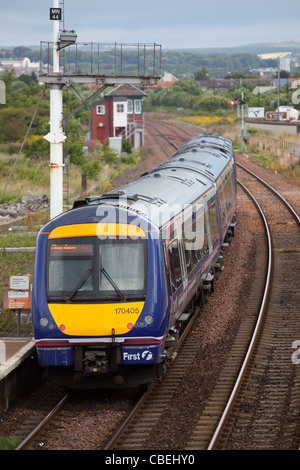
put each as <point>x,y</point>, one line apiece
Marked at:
<point>228,193</point>
<point>214,224</point>
<point>190,239</point>
<point>222,203</point>
<point>174,261</point>
<point>202,239</point>
<point>205,245</point>
<point>190,256</point>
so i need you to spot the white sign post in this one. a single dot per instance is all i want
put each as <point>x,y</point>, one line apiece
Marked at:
<point>19,282</point>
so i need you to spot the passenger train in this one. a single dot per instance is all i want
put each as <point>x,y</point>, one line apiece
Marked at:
<point>117,276</point>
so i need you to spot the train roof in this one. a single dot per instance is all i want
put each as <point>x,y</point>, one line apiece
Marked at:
<point>175,183</point>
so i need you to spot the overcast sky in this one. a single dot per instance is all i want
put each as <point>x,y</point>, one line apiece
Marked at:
<point>172,23</point>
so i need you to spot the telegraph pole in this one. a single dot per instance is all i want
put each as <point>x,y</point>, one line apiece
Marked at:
<point>56,136</point>
<point>242,111</point>
<point>278,92</point>
<point>243,134</point>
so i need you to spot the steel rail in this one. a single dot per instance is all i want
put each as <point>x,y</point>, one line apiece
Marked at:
<point>24,444</point>
<point>158,135</point>
<point>256,330</point>
<point>291,209</point>
<point>114,439</point>
<point>109,445</point>
<point>265,297</point>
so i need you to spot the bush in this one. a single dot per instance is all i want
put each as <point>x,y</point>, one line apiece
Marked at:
<point>126,146</point>
<point>92,168</point>
<point>35,147</point>
<point>209,103</point>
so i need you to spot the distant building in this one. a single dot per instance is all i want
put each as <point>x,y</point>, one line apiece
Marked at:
<point>281,82</point>
<point>223,84</point>
<point>260,90</point>
<point>22,66</point>
<point>285,64</point>
<point>165,82</point>
<point>119,114</point>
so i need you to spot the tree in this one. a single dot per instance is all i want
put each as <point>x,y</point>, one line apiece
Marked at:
<point>202,74</point>
<point>28,78</point>
<point>210,102</point>
<point>74,143</point>
<point>180,94</point>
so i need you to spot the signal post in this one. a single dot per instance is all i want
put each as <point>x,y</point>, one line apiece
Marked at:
<point>59,77</point>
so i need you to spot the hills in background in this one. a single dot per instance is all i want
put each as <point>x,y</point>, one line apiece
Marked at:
<point>255,48</point>
<point>267,54</point>
<point>183,63</point>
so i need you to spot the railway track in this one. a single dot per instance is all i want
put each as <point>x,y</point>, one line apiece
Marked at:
<point>135,431</point>
<point>218,409</point>
<point>29,431</point>
<point>169,136</point>
<point>161,139</point>
<point>262,373</point>
<point>266,414</point>
<point>263,409</point>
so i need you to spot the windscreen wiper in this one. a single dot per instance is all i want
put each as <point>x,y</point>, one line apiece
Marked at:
<point>112,282</point>
<point>80,283</point>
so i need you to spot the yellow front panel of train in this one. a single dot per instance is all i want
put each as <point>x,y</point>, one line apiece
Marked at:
<point>96,319</point>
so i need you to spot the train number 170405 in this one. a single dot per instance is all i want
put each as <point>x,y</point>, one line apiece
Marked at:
<point>123,310</point>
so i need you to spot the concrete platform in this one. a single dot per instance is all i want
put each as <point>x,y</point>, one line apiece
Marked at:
<point>18,367</point>
<point>10,347</point>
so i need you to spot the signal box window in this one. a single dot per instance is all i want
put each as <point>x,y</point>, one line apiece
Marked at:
<point>120,108</point>
<point>129,107</point>
<point>137,106</point>
<point>100,109</point>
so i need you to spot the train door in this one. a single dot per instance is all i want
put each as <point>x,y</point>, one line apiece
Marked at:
<point>184,276</point>
<point>208,226</point>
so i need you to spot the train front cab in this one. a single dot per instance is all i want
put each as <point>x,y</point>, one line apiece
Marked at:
<point>92,337</point>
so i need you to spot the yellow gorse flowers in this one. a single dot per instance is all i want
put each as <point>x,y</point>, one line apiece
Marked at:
<point>204,120</point>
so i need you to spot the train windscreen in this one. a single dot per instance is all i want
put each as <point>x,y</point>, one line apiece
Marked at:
<point>83,269</point>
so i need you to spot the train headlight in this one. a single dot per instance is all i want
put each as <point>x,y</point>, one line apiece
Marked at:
<point>149,319</point>
<point>44,321</point>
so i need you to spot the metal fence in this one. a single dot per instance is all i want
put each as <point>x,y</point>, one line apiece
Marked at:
<point>282,148</point>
